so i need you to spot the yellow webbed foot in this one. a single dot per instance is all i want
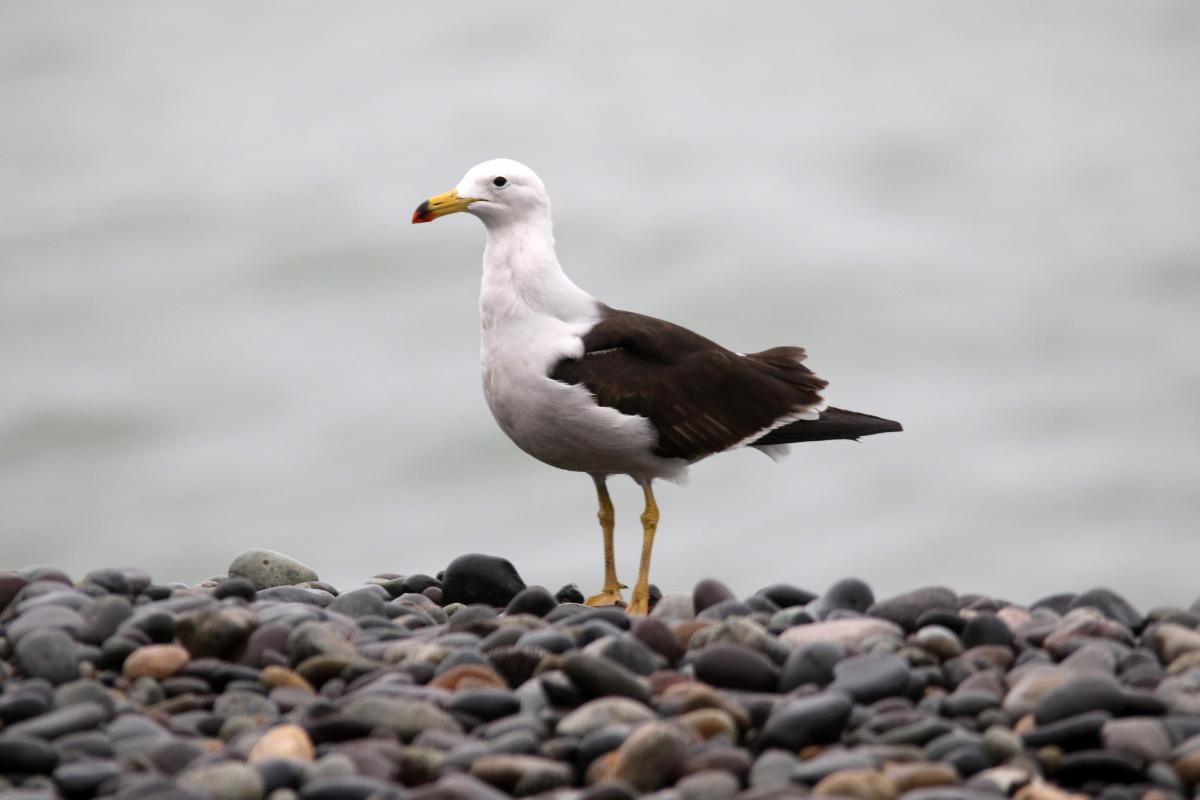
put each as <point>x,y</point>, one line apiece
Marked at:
<point>608,597</point>
<point>639,604</point>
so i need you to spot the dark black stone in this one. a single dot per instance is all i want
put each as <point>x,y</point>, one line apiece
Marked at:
<point>569,594</point>
<point>485,704</point>
<point>478,578</point>
<point>102,617</point>
<point>984,629</point>
<point>614,616</point>
<point>810,663</point>
<point>871,677</point>
<point>968,703</point>
<point>279,773</point>
<point>599,742</point>
<point>848,594</point>
<point>600,677</point>
<point>785,595</point>
<point>83,777</point>
<point>725,609</point>
<point>534,600</point>
<point>815,770</point>
<point>732,666</point>
<point>657,636</point>
<point>947,619</point>
<point>794,725</point>
<point>22,754</point>
<point>419,583</point>
<point>905,609</point>
<point>109,579</point>
<point>1085,766</point>
<point>1079,732</point>
<point>158,625</point>
<point>1082,694</point>
<point>1111,605</point>
<point>235,587</point>
<point>1058,603</point>
<point>709,592</point>
<point>18,705</point>
<point>560,690</point>
<point>967,759</point>
<point>920,732</point>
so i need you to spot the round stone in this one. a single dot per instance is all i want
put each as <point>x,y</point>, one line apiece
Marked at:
<point>216,633</point>
<point>732,666</point>
<point>651,757</point>
<point>905,609</point>
<point>811,663</point>
<point>46,617</point>
<point>26,754</point>
<point>1111,605</point>
<point>48,654</point>
<point>362,602</point>
<point>478,578</point>
<point>102,617</point>
<point>82,778</point>
<point>599,677</point>
<point>286,741</point>
<point>267,568</point>
<point>235,587</point>
<point>871,677</point>
<point>1079,695</point>
<point>848,594</point>
<point>810,720</point>
<point>156,661</point>
<point>223,780</point>
<point>785,595</point>
<point>534,600</point>
<point>606,711</point>
<point>984,629</point>
<point>710,592</point>
<point>569,594</point>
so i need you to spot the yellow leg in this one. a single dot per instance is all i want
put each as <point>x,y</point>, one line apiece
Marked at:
<point>611,594</point>
<point>640,602</point>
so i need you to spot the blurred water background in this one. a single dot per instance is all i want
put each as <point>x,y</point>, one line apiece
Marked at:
<point>218,329</point>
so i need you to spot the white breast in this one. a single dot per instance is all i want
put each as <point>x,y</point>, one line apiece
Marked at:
<point>554,422</point>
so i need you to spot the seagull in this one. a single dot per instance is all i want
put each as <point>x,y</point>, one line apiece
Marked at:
<point>587,388</point>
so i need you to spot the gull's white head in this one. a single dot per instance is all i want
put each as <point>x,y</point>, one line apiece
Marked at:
<point>499,192</point>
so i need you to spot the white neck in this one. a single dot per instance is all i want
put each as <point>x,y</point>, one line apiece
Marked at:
<point>521,275</point>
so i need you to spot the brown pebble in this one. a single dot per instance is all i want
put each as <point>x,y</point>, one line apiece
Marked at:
<point>156,661</point>
<point>274,677</point>
<point>651,757</point>
<point>469,676</point>
<point>862,784</point>
<point>710,722</point>
<point>921,775</point>
<point>283,741</point>
<point>1039,790</point>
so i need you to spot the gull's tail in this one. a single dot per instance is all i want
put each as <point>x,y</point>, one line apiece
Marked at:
<point>834,423</point>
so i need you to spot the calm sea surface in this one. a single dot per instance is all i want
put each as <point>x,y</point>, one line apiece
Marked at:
<point>218,329</point>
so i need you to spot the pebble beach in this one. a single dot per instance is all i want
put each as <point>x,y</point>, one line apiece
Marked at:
<point>269,683</point>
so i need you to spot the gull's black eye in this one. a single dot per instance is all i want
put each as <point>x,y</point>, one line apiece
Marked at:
<point>499,181</point>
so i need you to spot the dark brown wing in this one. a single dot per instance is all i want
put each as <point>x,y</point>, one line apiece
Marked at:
<point>700,397</point>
